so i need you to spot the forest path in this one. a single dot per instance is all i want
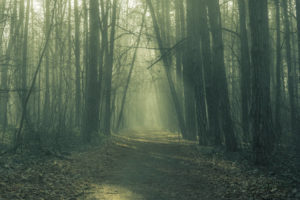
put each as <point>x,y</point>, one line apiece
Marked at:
<point>151,165</point>
<point>141,165</point>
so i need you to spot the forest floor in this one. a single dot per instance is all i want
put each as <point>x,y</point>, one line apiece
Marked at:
<point>140,165</point>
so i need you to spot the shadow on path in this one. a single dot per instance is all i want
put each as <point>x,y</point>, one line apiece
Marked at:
<point>152,165</point>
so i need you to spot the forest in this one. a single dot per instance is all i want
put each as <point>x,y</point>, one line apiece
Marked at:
<point>150,99</point>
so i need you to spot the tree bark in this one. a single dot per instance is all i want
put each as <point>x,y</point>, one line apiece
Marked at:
<point>179,37</point>
<point>221,93</point>
<point>196,60</point>
<point>263,132</point>
<point>298,34</point>
<point>189,67</point>
<point>291,87</point>
<point>77,65</point>
<point>245,69</point>
<point>4,67</point>
<point>46,108</point>
<point>213,119</point>
<point>278,72</point>
<point>298,117</point>
<point>108,71</point>
<point>92,104</point>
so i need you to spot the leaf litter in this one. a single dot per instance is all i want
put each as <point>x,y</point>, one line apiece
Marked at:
<point>178,170</point>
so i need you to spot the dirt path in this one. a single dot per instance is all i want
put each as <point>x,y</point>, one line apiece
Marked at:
<point>151,165</point>
<point>145,165</point>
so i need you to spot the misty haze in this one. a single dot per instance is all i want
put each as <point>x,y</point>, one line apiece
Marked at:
<point>150,99</point>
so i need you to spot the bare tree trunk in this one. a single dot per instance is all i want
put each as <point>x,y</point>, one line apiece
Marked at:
<point>245,69</point>
<point>46,108</point>
<point>4,68</point>
<point>25,47</point>
<point>278,72</point>
<point>179,37</point>
<point>104,52</point>
<point>77,64</point>
<point>213,119</point>
<point>188,72</point>
<point>2,21</point>
<point>221,93</point>
<point>109,68</point>
<point>194,59</point>
<point>263,133</point>
<point>291,87</point>
<point>91,110</point>
<point>298,34</point>
<point>23,69</point>
<point>298,77</point>
<point>85,62</point>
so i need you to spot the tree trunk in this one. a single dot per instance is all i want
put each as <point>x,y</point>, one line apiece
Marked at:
<point>291,87</point>
<point>4,72</point>
<point>191,47</point>
<point>46,108</point>
<point>77,65</point>
<point>261,103</point>
<point>221,93</point>
<point>195,60</point>
<point>24,60</point>
<point>92,111</point>
<point>108,74</point>
<point>179,37</point>
<point>298,117</point>
<point>213,119</point>
<point>278,72</point>
<point>245,69</point>
<point>298,34</point>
